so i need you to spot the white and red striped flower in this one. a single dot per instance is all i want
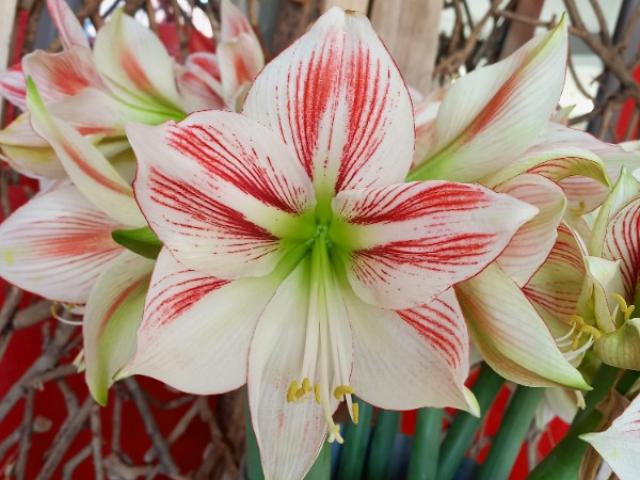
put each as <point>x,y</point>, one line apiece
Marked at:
<point>291,240</point>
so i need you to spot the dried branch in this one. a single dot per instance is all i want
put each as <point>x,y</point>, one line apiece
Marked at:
<point>25,437</point>
<point>151,427</point>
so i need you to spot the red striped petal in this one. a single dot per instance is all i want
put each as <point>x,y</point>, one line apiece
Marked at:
<point>233,22</point>
<point>530,246</point>
<point>412,241</point>
<point>622,242</point>
<point>421,355</point>
<point>337,99</point>
<point>199,83</point>
<point>196,330</point>
<point>71,32</point>
<point>12,86</point>
<point>57,245</point>
<point>493,114</point>
<point>220,190</point>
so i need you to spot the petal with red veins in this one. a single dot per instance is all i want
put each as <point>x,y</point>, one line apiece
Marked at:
<point>493,114</point>
<point>555,288</point>
<point>619,445</point>
<point>61,75</point>
<point>233,21</point>
<point>337,99</point>
<point>622,242</point>
<point>57,245</point>
<point>531,245</point>
<point>199,83</point>
<point>510,335</point>
<point>196,330</point>
<point>87,167</point>
<point>289,435</point>
<point>220,191</point>
<point>240,61</point>
<point>71,32</point>
<point>13,87</point>
<point>420,355</point>
<point>404,244</point>
<point>136,66</point>
<point>112,316</point>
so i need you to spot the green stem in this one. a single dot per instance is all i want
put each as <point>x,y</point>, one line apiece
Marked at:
<point>356,438</point>
<point>513,429</point>
<point>321,470</point>
<point>426,446</point>
<point>462,431</point>
<point>564,460</point>
<point>254,467</point>
<point>384,436</point>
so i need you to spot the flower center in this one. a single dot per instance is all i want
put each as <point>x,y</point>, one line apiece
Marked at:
<point>325,369</point>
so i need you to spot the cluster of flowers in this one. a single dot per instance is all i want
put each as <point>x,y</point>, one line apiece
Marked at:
<point>315,232</point>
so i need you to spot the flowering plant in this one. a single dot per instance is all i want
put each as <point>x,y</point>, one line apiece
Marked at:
<point>308,229</point>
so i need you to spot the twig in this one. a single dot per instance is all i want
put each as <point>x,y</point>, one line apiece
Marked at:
<point>96,442</point>
<point>46,361</point>
<point>32,315</point>
<point>11,302</point>
<point>151,427</point>
<point>177,431</point>
<point>25,437</point>
<point>74,462</point>
<point>70,400</point>
<point>9,442</point>
<point>63,439</point>
<point>116,419</point>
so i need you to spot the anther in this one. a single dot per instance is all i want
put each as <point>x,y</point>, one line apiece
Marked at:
<point>292,391</point>
<point>355,410</point>
<point>342,390</point>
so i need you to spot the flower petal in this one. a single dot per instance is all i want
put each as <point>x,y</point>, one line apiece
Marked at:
<point>240,61</point>
<point>622,242</point>
<point>336,97</point>
<point>112,316</point>
<point>87,167</point>
<point>289,435</point>
<point>619,445</point>
<point>493,114</point>
<point>407,243</point>
<point>27,152</point>
<point>13,87</point>
<point>626,189</point>
<point>233,21</point>
<point>71,32</point>
<point>509,333</point>
<point>197,329</point>
<point>532,243</point>
<point>57,245</point>
<point>220,191</point>
<point>604,280</point>
<point>199,83</point>
<point>555,288</point>
<point>411,358</point>
<point>61,75</point>
<point>135,65</point>
<point>621,348</point>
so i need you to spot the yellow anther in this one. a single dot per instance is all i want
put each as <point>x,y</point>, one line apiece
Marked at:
<point>316,391</point>
<point>292,391</point>
<point>628,312</point>
<point>341,391</point>
<point>355,410</point>
<point>621,301</point>
<point>306,385</point>
<point>300,393</point>
<point>582,328</point>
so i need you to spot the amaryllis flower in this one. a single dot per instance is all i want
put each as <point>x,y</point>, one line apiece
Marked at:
<point>491,127</point>
<point>296,258</point>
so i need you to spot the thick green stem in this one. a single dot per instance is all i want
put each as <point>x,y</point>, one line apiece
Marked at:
<point>321,470</point>
<point>356,438</point>
<point>426,447</point>
<point>564,460</point>
<point>382,444</point>
<point>513,430</point>
<point>462,431</point>
<point>254,467</point>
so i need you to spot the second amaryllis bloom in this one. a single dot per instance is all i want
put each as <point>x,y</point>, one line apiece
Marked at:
<point>292,241</point>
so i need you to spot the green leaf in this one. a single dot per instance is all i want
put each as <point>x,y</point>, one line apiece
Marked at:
<point>426,447</point>
<point>382,441</point>
<point>139,240</point>
<point>356,439</point>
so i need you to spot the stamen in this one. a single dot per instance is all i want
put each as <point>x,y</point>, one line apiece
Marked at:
<point>342,390</point>
<point>355,409</point>
<point>291,391</point>
<point>621,301</point>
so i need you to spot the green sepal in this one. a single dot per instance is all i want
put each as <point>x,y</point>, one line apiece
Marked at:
<point>139,240</point>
